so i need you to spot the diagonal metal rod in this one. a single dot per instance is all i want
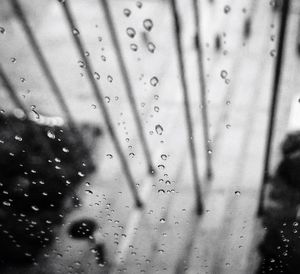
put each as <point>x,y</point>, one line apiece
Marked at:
<point>41,59</point>
<point>190,131</point>
<point>103,110</point>
<point>202,82</point>
<point>128,85</point>
<point>273,107</point>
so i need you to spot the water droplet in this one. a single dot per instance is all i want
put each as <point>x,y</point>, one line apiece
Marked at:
<point>75,31</point>
<point>50,134</point>
<point>131,155</point>
<point>13,60</point>
<point>35,208</point>
<point>159,129</point>
<point>227,9</point>
<point>18,138</point>
<point>107,99</point>
<point>223,74</point>
<point>109,78</point>
<point>154,81</point>
<point>162,220</point>
<point>209,151</point>
<point>273,52</point>
<point>156,109</point>
<point>6,203</point>
<point>130,32</point>
<point>133,47</point>
<point>161,167</point>
<point>88,191</point>
<point>148,24</point>
<point>96,75</point>
<point>127,12</point>
<point>228,126</point>
<point>161,191</point>
<point>109,156</point>
<point>93,106</point>
<point>151,47</point>
<point>139,4</point>
<point>80,174</point>
<point>64,149</point>
<point>2,30</point>
<point>164,157</point>
<point>237,193</point>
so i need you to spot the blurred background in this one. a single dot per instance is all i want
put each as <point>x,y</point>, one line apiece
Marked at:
<point>67,205</point>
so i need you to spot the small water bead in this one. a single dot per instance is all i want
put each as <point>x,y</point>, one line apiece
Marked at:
<point>161,191</point>
<point>22,79</point>
<point>273,52</point>
<point>103,58</point>
<point>35,208</point>
<point>237,193</point>
<point>18,138</point>
<point>75,31</point>
<point>151,47</point>
<point>131,32</point>
<point>161,167</point>
<point>131,155</point>
<point>148,24</point>
<point>134,47</point>
<point>156,97</point>
<point>88,191</point>
<point>209,151</point>
<point>154,81</point>
<point>162,220</point>
<point>64,149</point>
<point>107,99</point>
<point>159,129</point>
<point>109,156</point>
<point>227,9</point>
<point>156,108</point>
<point>223,74</point>
<point>139,4</point>
<point>13,60</point>
<point>81,64</point>
<point>109,78</point>
<point>2,30</point>
<point>228,126</point>
<point>164,157</point>
<point>50,134</point>
<point>127,12</point>
<point>227,81</point>
<point>96,75</point>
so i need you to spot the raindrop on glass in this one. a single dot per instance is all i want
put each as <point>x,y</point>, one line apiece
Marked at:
<point>130,32</point>
<point>151,47</point>
<point>227,9</point>
<point>154,81</point>
<point>223,74</point>
<point>148,24</point>
<point>159,129</point>
<point>75,31</point>
<point>127,12</point>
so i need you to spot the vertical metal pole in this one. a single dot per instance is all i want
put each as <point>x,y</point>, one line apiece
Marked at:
<point>41,59</point>
<point>128,85</point>
<point>103,111</point>
<point>199,206</point>
<point>273,107</point>
<point>202,92</point>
